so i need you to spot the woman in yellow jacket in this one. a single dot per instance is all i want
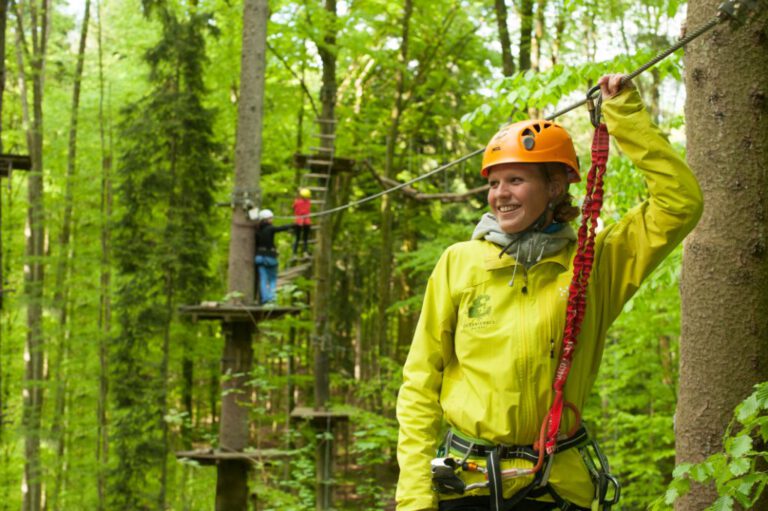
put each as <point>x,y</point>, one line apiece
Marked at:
<point>488,340</point>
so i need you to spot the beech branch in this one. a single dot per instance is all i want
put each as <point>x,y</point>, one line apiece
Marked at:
<point>296,76</point>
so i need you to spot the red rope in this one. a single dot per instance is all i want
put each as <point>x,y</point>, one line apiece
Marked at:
<point>582,267</point>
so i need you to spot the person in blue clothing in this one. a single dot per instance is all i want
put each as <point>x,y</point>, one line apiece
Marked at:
<point>266,255</point>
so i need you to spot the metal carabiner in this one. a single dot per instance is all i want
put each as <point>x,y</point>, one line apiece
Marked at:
<point>611,481</point>
<point>594,103</point>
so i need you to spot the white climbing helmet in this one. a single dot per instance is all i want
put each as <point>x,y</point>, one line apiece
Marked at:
<point>266,214</point>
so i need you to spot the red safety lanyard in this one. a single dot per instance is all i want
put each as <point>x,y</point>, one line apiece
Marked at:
<point>582,267</point>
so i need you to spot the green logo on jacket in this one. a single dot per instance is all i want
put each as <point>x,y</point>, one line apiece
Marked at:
<point>479,307</point>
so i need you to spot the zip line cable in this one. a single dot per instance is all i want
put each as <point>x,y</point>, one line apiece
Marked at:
<point>732,10</point>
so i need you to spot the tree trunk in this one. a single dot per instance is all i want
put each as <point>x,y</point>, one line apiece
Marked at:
<point>539,32</point>
<point>232,481</point>
<point>507,62</point>
<point>322,339</point>
<point>387,237</point>
<point>723,349</point>
<point>61,296</point>
<point>105,282</point>
<point>323,259</point>
<point>33,284</point>
<point>557,41</point>
<point>526,32</point>
<point>3,23</point>
<point>248,148</point>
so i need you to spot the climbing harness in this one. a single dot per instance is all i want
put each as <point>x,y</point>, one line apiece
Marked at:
<point>735,11</point>
<point>446,479</point>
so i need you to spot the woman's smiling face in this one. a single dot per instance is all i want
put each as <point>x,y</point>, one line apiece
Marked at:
<point>519,195</point>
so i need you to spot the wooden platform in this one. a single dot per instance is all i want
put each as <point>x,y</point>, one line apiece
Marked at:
<point>317,163</point>
<point>9,162</point>
<point>214,456</point>
<point>234,313</point>
<point>319,418</point>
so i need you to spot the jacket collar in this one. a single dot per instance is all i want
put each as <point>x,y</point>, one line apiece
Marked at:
<point>492,261</point>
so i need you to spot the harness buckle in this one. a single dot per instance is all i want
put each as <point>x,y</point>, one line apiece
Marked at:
<point>444,476</point>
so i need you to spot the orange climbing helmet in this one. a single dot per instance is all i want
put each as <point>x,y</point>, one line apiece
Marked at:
<point>532,141</point>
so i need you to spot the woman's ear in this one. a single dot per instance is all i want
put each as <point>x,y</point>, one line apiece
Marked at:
<point>557,186</point>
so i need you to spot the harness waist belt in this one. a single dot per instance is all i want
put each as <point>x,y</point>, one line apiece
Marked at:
<point>508,452</point>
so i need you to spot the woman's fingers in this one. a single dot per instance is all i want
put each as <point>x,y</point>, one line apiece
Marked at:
<point>611,84</point>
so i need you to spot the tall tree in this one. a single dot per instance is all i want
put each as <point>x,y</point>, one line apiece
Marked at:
<point>323,272</point>
<point>105,274</point>
<point>232,476</point>
<point>32,23</point>
<point>3,24</point>
<point>723,350</point>
<point>387,214</point>
<point>167,175</point>
<point>61,295</point>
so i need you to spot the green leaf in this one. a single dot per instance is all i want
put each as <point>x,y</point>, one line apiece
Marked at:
<point>724,503</point>
<point>739,446</point>
<point>747,408</point>
<point>739,466</point>
<point>671,495</point>
<point>748,481</point>
<point>681,470</point>
<point>677,488</point>
<point>702,472</point>
<point>762,394</point>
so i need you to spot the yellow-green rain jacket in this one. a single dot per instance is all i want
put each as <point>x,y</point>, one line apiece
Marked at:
<point>484,352</point>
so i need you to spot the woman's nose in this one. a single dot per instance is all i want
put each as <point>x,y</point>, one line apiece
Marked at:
<point>503,189</point>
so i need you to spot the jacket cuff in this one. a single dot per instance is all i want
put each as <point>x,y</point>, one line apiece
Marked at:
<point>621,107</point>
